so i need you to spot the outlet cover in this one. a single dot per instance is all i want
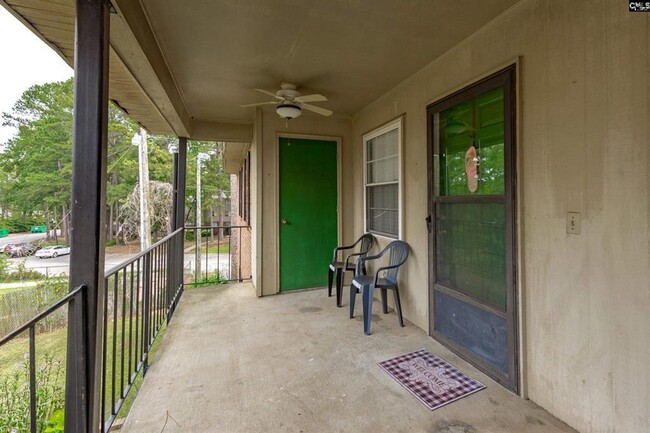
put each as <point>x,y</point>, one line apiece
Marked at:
<point>573,224</point>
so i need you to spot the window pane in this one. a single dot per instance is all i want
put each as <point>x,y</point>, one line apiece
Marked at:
<point>478,122</point>
<point>470,250</point>
<point>382,157</point>
<point>382,213</point>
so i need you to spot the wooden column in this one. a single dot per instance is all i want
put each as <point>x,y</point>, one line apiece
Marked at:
<point>83,379</point>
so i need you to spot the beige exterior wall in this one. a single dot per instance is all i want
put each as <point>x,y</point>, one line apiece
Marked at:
<point>272,127</point>
<point>583,147</point>
<point>256,203</point>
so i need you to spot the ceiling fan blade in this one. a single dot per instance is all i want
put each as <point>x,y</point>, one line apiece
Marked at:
<point>266,92</point>
<point>258,104</point>
<point>319,110</point>
<point>311,98</point>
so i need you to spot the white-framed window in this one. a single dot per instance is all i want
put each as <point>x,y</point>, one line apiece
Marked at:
<point>382,155</point>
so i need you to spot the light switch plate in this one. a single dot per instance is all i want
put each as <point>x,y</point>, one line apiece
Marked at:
<point>573,224</point>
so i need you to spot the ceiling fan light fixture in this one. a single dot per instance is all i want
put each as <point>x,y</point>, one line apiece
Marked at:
<point>288,110</point>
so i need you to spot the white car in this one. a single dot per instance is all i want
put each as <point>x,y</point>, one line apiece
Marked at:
<point>54,251</point>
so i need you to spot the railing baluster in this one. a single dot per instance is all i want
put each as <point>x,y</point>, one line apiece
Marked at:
<point>230,255</point>
<point>123,333</point>
<point>32,378</point>
<point>114,369</point>
<point>145,310</point>
<point>105,352</point>
<point>239,261</point>
<point>207,247</point>
<point>136,353</point>
<point>131,325</point>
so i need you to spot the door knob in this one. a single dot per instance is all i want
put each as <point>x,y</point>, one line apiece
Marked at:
<point>284,221</point>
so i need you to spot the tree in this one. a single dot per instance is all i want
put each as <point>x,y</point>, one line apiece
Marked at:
<point>38,160</point>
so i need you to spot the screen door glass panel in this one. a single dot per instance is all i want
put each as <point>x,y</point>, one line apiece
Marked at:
<point>479,123</point>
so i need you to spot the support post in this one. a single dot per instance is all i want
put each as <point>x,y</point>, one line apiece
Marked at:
<point>179,184</point>
<point>178,258</point>
<point>84,360</point>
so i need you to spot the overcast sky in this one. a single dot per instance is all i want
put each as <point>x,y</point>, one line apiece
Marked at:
<point>25,60</point>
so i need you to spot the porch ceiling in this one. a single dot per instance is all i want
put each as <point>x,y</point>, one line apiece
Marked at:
<point>351,51</point>
<point>186,67</point>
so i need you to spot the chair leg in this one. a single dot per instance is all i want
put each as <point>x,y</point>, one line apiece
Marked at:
<point>330,278</point>
<point>384,301</point>
<point>398,306</point>
<point>353,297</point>
<point>339,286</point>
<point>366,294</point>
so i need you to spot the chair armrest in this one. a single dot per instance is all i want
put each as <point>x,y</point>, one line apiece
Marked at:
<point>347,259</point>
<point>385,268</point>
<point>346,247</point>
<point>337,249</point>
<point>362,260</point>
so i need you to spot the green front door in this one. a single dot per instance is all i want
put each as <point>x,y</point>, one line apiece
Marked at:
<point>308,214</point>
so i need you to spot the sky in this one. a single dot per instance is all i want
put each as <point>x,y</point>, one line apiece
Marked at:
<point>24,61</point>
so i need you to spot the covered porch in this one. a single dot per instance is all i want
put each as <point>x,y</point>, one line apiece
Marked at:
<point>547,293</point>
<point>296,363</point>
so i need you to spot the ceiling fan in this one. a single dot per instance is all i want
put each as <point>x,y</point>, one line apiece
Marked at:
<point>290,103</point>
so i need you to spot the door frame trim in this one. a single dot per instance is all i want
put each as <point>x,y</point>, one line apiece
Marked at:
<point>509,75</point>
<point>276,198</point>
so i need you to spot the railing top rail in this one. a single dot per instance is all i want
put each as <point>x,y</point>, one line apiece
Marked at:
<point>126,263</point>
<point>216,227</point>
<point>42,315</point>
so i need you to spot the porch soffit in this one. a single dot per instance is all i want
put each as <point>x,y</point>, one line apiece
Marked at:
<point>53,22</point>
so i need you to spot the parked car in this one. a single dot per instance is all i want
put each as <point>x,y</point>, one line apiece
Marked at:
<point>53,251</point>
<point>39,229</point>
<point>23,250</point>
<point>6,248</point>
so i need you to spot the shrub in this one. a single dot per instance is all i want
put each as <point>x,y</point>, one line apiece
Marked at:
<point>17,225</point>
<point>212,279</point>
<point>14,395</point>
<point>56,424</point>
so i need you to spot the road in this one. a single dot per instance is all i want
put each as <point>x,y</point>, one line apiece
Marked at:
<point>22,237</point>
<point>61,265</point>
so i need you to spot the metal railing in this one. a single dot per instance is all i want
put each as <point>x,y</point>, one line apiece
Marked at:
<point>216,256</point>
<point>140,297</point>
<point>74,300</point>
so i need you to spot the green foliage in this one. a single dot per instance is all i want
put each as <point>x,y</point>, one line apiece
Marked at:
<point>212,279</point>
<point>113,242</point>
<point>14,395</point>
<point>4,266</point>
<point>18,225</point>
<point>56,424</point>
<point>20,274</point>
<point>36,164</point>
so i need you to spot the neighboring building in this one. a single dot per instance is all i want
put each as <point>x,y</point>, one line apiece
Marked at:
<point>240,232</point>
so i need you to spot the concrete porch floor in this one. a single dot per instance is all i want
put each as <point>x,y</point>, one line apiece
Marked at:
<point>231,362</point>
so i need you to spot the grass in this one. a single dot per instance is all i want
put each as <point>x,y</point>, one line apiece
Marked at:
<point>14,289</point>
<point>223,248</point>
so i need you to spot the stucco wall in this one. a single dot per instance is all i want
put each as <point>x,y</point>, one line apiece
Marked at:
<point>272,125</point>
<point>583,147</point>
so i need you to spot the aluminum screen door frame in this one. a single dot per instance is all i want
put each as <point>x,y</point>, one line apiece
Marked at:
<point>505,78</point>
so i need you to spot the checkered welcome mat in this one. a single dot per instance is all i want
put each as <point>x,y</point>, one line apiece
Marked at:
<point>433,381</point>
